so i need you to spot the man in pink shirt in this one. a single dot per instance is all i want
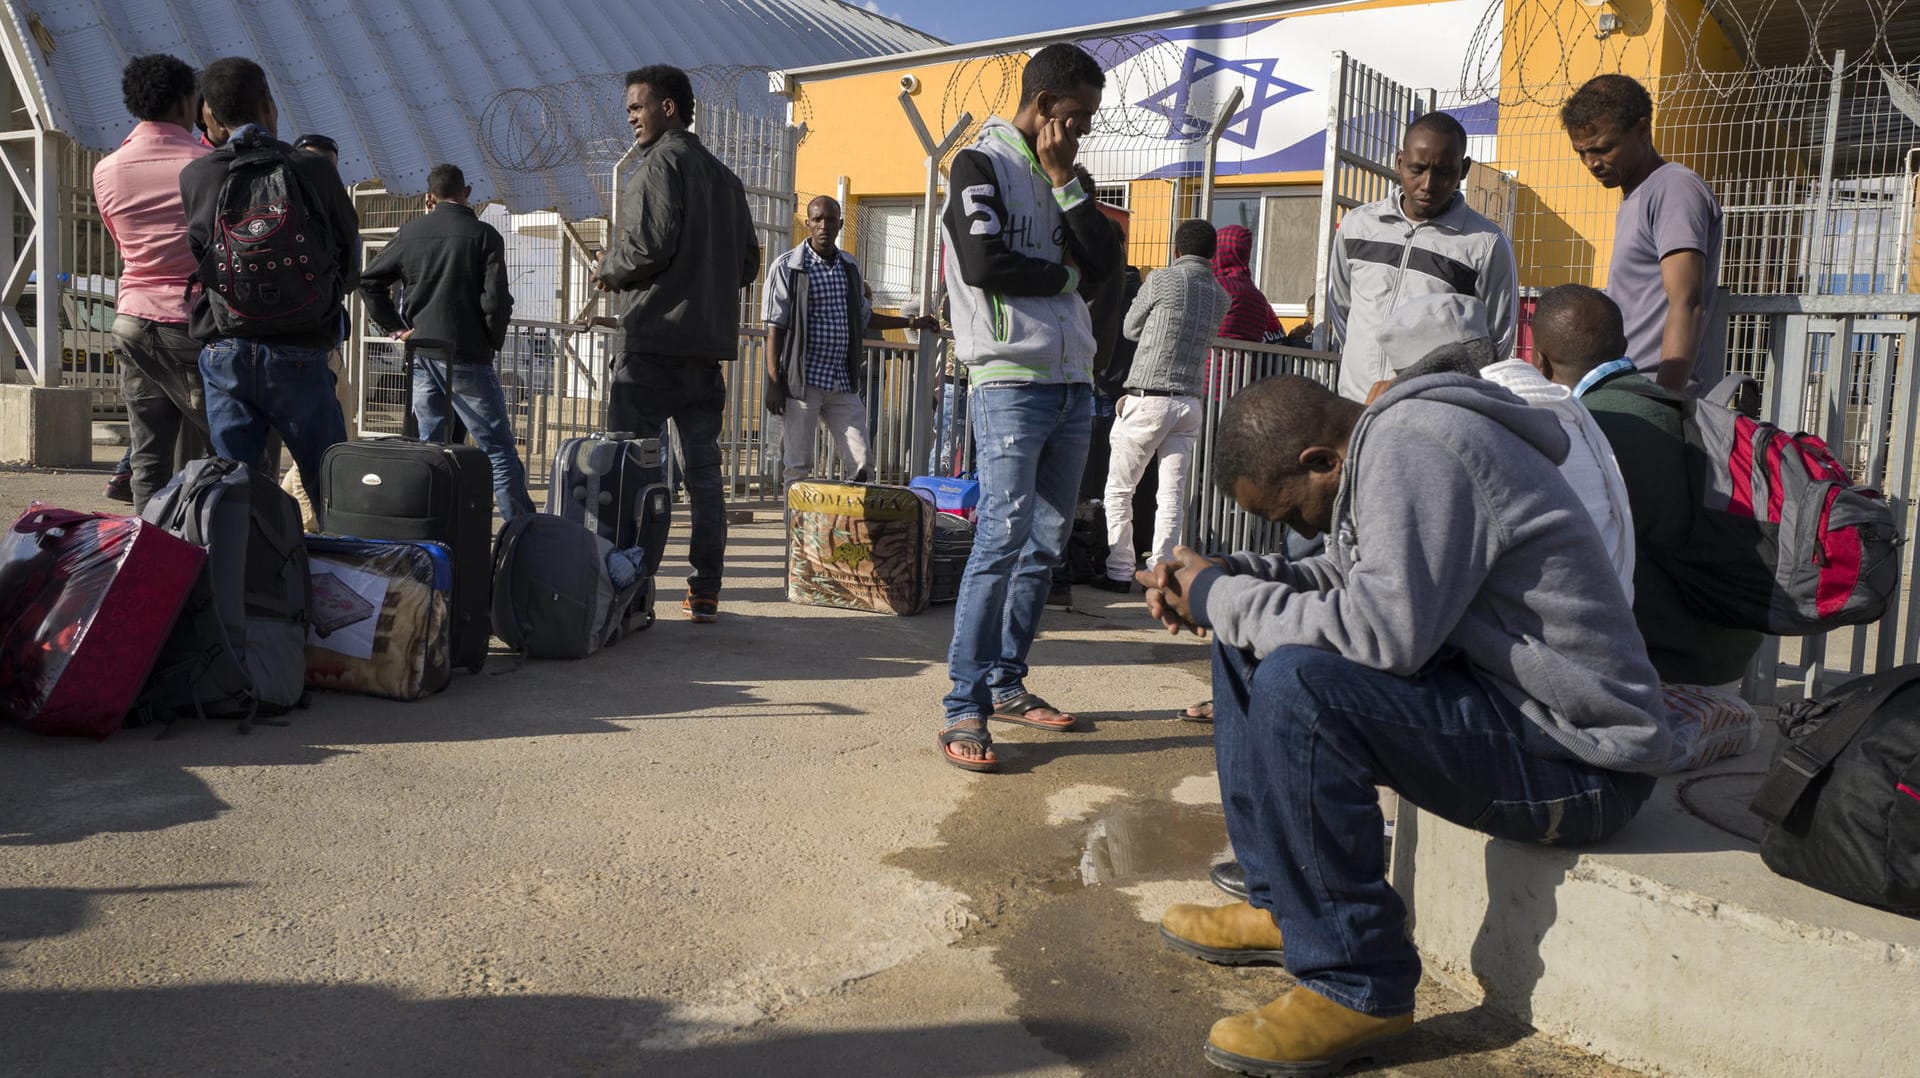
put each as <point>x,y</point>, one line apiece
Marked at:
<point>138,189</point>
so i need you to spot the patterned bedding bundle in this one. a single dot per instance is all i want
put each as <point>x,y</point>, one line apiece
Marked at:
<point>859,546</point>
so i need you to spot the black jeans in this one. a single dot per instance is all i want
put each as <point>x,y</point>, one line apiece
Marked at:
<point>648,391</point>
<point>166,404</point>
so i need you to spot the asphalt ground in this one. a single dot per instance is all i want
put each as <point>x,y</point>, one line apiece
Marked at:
<point>719,850</point>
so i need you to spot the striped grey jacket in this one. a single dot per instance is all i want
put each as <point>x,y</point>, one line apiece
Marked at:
<point>1381,259</point>
<point>1174,318</point>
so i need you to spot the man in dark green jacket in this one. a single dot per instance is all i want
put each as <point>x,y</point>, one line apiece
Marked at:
<point>684,247</point>
<point>1578,342</point>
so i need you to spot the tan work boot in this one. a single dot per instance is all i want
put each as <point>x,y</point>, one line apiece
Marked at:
<point>1300,1035</point>
<point>1236,935</point>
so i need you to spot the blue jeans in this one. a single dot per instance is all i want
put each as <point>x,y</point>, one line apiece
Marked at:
<point>256,386</point>
<point>949,417</point>
<point>649,390</point>
<point>1030,446</point>
<point>1304,736</point>
<point>483,408</point>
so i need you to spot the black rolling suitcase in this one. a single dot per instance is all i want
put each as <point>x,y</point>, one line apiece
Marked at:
<point>399,488</point>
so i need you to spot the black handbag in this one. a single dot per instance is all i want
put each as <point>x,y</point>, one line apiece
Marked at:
<point>1842,799</point>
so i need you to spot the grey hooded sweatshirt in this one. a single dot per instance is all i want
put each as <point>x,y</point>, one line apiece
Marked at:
<point>1454,532</point>
<point>1016,249</point>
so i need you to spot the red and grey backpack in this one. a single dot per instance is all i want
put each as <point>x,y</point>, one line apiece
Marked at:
<point>270,263</point>
<point>1782,540</point>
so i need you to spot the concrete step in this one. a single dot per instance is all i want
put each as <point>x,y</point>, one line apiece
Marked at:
<point>1671,948</point>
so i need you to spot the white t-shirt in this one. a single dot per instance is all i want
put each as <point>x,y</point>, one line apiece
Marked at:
<point>1589,468</point>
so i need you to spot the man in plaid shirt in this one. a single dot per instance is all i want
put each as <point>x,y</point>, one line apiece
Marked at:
<point>817,316</point>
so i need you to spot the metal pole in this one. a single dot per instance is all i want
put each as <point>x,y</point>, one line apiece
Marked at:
<point>1823,198</point>
<point>46,262</point>
<point>921,442</point>
<point>1220,120</point>
<point>1329,193</point>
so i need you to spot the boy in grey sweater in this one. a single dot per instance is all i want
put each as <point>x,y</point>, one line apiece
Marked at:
<point>1173,318</point>
<point>1454,643</point>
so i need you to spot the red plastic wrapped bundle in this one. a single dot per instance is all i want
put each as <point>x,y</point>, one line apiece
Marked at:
<point>86,601</point>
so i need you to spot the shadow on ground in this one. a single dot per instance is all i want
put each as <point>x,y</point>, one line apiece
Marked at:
<point>293,1029</point>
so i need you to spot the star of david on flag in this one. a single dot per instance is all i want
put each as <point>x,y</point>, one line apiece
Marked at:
<point>1264,90</point>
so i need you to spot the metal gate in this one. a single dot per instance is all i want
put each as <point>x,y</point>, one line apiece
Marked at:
<point>1848,376</point>
<point>1367,116</point>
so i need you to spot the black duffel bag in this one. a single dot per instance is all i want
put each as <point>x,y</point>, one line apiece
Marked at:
<point>1842,799</point>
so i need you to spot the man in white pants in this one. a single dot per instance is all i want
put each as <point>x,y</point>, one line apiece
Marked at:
<point>817,316</point>
<point>1173,317</point>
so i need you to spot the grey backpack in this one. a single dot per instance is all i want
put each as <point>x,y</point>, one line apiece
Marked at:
<point>239,649</point>
<point>1782,540</point>
<point>553,597</point>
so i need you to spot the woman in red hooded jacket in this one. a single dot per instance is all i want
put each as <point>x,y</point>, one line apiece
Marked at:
<point>1249,315</point>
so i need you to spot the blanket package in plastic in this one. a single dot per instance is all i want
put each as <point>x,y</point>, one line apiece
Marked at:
<point>86,602</point>
<point>381,616</point>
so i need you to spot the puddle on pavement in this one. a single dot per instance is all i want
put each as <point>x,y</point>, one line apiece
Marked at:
<point>1146,840</point>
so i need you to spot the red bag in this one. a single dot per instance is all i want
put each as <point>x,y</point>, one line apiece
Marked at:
<point>86,601</point>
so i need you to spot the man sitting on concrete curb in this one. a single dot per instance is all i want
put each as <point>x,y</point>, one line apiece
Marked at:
<point>1580,343</point>
<point>1449,333</point>
<point>1173,318</point>
<point>1472,660</point>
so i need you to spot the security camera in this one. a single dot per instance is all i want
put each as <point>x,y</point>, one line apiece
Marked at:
<point>910,84</point>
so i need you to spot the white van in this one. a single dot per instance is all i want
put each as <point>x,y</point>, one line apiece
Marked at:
<point>86,337</point>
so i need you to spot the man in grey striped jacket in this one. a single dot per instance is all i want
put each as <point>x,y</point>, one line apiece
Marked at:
<point>1173,318</point>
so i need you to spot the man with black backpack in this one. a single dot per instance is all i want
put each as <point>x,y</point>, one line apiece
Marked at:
<point>1579,341</point>
<point>278,247</point>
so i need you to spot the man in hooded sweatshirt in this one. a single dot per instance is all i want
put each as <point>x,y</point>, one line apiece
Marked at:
<point>1249,316</point>
<point>1453,644</point>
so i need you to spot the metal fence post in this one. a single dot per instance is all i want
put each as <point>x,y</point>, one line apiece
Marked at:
<point>1329,193</point>
<point>1823,198</point>
<point>46,255</point>
<point>920,444</point>
<point>1220,121</point>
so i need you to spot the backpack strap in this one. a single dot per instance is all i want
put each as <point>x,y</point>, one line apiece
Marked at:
<point>1722,394</point>
<point>1798,765</point>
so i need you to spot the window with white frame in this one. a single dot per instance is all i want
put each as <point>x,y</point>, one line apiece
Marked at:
<point>1114,194</point>
<point>887,235</point>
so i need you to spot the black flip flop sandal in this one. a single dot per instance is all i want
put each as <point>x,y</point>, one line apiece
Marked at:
<point>971,734</point>
<point>1017,709</point>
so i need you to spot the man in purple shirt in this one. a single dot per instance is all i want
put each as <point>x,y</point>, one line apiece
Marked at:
<point>138,190</point>
<point>1666,240</point>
